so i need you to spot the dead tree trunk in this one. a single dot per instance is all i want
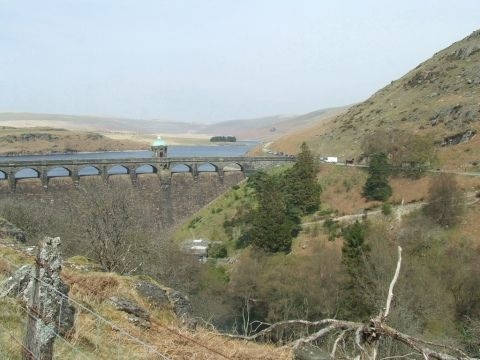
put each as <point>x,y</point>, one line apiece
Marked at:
<point>366,335</point>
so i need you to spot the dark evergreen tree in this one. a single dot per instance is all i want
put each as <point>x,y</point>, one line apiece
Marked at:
<point>377,186</point>
<point>272,230</point>
<point>282,199</point>
<point>355,253</point>
<point>302,188</point>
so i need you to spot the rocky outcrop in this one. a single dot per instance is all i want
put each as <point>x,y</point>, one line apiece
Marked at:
<point>7,229</point>
<point>154,294</point>
<point>46,296</point>
<point>21,284</point>
<point>455,116</point>
<point>461,137</point>
<point>163,296</point>
<point>182,308</point>
<point>138,315</point>
<point>16,284</point>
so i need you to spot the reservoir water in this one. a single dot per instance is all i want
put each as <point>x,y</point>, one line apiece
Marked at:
<point>239,148</point>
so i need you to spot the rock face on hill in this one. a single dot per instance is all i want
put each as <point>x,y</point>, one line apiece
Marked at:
<point>7,229</point>
<point>161,296</point>
<point>441,97</point>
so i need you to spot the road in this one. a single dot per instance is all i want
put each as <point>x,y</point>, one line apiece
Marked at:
<point>461,173</point>
<point>398,211</point>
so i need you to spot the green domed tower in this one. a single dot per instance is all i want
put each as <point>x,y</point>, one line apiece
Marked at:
<point>159,147</point>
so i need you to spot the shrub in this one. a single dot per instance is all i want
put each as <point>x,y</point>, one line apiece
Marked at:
<point>377,186</point>
<point>217,250</point>
<point>410,154</point>
<point>194,222</point>
<point>332,228</point>
<point>386,209</point>
<point>445,200</point>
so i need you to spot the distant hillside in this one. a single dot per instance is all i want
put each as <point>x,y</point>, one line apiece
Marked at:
<point>96,123</point>
<point>269,128</point>
<point>439,97</point>
<point>256,129</point>
<point>43,140</point>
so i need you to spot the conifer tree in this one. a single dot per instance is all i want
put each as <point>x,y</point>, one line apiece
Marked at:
<point>302,188</point>
<point>377,186</point>
<point>272,230</point>
<point>355,253</point>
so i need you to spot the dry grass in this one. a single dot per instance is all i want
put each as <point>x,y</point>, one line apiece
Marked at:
<point>98,286</point>
<point>14,141</point>
<point>166,334</point>
<point>5,268</point>
<point>342,188</point>
<point>94,339</point>
<point>436,98</point>
<point>462,157</point>
<point>290,143</point>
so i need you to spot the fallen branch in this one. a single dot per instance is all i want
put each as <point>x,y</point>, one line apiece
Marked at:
<point>392,283</point>
<point>366,335</point>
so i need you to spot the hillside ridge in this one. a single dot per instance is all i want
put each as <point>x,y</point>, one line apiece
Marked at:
<point>439,98</point>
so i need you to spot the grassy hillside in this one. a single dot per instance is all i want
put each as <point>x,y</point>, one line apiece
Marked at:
<point>439,97</point>
<point>175,132</point>
<point>94,123</point>
<point>42,140</point>
<point>94,339</point>
<point>272,127</point>
<point>342,195</point>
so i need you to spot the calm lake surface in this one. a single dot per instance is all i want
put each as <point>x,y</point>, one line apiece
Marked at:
<point>240,148</point>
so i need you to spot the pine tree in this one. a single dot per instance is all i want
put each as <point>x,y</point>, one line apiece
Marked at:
<point>302,188</point>
<point>355,253</point>
<point>377,186</point>
<point>272,230</point>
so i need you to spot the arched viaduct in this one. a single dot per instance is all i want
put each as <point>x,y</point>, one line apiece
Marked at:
<point>163,167</point>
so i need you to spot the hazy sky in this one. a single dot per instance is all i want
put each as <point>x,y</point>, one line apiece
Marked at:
<point>212,60</point>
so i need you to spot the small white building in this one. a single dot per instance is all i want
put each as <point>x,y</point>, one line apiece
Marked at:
<point>197,247</point>
<point>331,159</point>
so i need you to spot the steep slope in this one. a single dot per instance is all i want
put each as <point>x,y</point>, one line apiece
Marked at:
<point>105,331</point>
<point>440,97</point>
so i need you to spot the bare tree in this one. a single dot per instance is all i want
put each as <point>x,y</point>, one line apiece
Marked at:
<point>445,200</point>
<point>111,226</point>
<point>365,336</point>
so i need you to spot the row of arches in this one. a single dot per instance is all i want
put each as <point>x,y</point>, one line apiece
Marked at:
<point>90,170</point>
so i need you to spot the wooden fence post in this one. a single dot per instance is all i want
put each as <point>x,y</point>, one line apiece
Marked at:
<point>30,341</point>
<point>47,294</point>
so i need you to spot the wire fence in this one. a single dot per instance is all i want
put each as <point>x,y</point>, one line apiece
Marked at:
<point>95,336</point>
<point>117,350</point>
<point>71,348</point>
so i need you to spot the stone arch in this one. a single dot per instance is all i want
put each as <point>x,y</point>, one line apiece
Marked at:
<point>58,171</point>
<point>3,175</point>
<point>118,170</point>
<point>207,167</point>
<point>233,167</point>
<point>146,169</point>
<point>27,173</point>
<point>180,168</point>
<point>88,170</point>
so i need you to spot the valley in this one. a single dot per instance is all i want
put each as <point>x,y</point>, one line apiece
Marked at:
<point>256,192</point>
